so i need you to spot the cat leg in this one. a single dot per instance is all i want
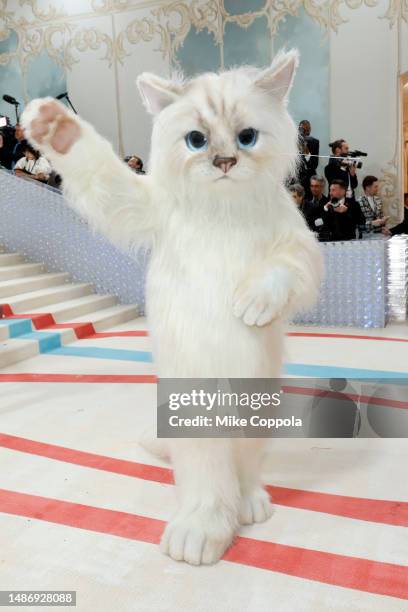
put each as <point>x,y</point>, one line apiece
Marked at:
<point>255,505</point>
<point>207,518</point>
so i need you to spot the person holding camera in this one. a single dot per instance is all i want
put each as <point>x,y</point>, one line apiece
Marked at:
<point>342,167</point>
<point>371,206</point>
<point>340,217</point>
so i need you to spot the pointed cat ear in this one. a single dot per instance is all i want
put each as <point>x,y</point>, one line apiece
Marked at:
<point>156,92</point>
<point>277,80</point>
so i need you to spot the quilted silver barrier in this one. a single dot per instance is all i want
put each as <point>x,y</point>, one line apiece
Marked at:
<point>36,221</point>
<point>353,292</point>
<point>397,278</point>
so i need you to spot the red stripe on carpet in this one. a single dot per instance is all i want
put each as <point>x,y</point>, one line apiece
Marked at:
<point>373,510</point>
<point>79,378</point>
<point>339,570</point>
<point>121,334</point>
<point>352,336</point>
<point>89,460</point>
<point>82,330</point>
<point>367,399</point>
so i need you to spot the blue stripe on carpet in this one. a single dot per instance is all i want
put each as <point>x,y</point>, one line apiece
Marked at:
<point>103,353</point>
<point>319,371</point>
<point>47,341</point>
<point>16,327</point>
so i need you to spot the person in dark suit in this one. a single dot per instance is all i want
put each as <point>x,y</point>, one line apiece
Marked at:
<point>316,201</point>
<point>298,194</point>
<point>338,169</point>
<point>340,217</point>
<point>317,186</point>
<point>311,147</point>
<point>6,148</point>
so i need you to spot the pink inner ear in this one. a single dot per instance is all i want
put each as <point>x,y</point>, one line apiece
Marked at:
<point>278,79</point>
<point>157,93</point>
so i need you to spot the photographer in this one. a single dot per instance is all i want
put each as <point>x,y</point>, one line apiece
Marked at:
<point>33,165</point>
<point>371,206</point>
<point>342,169</point>
<point>340,217</point>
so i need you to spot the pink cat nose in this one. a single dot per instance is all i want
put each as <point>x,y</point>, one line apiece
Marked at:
<point>225,163</point>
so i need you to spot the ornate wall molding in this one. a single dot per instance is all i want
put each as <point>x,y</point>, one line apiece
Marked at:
<point>170,22</point>
<point>389,189</point>
<point>398,9</point>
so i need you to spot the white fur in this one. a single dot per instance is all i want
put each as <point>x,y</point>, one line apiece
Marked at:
<point>231,257</point>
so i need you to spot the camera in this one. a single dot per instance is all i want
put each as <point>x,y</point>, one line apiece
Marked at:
<point>334,202</point>
<point>351,160</point>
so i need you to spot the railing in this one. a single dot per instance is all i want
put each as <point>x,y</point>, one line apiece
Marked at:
<point>36,221</point>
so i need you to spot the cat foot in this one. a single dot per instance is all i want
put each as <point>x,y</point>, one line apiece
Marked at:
<point>255,508</point>
<point>201,537</point>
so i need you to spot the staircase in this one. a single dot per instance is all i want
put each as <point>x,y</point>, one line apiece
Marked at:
<point>41,311</point>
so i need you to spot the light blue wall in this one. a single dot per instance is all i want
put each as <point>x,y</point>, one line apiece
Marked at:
<point>10,77</point>
<point>309,98</point>
<point>44,77</point>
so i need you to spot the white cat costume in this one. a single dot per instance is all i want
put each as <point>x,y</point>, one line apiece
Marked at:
<point>231,256</point>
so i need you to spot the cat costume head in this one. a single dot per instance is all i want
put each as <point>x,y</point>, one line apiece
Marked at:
<point>223,132</point>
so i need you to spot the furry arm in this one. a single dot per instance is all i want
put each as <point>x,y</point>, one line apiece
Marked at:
<point>285,280</point>
<point>112,198</point>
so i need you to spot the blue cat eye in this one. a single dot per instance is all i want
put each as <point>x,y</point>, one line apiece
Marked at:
<point>247,138</point>
<point>196,141</point>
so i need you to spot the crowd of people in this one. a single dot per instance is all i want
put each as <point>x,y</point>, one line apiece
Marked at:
<point>339,215</point>
<point>18,155</point>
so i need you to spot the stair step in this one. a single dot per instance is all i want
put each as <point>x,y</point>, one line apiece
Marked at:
<point>8,259</point>
<point>13,351</point>
<point>66,311</point>
<point>32,283</point>
<point>109,317</point>
<point>20,270</point>
<point>34,300</point>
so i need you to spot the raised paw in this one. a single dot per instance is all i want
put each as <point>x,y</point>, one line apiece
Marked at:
<point>260,300</point>
<point>48,124</point>
<point>198,538</point>
<point>255,508</point>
